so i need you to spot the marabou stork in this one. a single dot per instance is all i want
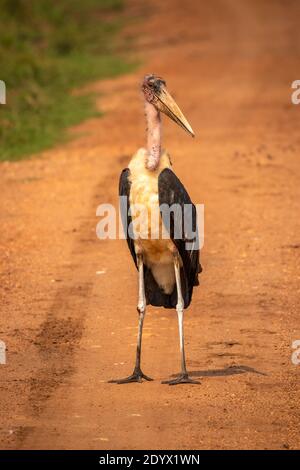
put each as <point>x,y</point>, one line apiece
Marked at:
<point>168,271</point>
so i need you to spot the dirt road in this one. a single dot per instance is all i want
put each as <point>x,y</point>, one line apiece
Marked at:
<point>68,300</point>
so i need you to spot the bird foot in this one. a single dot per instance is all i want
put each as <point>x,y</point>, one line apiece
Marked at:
<point>182,379</point>
<point>137,376</point>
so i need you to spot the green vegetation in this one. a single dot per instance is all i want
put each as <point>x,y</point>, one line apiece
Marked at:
<point>48,48</point>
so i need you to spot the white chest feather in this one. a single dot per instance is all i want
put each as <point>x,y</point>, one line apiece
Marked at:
<point>152,239</point>
<point>144,197</point>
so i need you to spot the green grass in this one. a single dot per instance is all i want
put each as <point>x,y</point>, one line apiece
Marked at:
<point>47,49</point>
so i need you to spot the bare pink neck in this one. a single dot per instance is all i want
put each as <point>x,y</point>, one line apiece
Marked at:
<point>153,136</point>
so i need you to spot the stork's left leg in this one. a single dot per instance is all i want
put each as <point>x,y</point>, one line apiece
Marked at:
<point>183,377</point>
<point>138,375</point>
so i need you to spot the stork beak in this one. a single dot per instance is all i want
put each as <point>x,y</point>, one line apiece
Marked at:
<point>168,106</point>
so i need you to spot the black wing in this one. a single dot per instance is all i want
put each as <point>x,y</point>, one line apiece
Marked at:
<point>124,191</point>
<point>182,222</point>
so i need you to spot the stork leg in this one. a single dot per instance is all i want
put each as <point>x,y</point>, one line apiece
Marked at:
<point>137,375</point>
<point>183,377</point>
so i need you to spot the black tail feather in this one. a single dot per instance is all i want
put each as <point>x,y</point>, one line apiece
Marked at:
<point>156,296</point>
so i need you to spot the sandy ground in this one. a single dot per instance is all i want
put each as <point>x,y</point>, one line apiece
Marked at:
<point>69,330</point>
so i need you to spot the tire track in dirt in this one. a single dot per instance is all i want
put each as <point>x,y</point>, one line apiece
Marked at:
<point>60,335</point>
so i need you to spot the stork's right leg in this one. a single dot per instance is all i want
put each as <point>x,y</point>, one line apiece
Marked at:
<point>183,377</point>
<point>137,375</point>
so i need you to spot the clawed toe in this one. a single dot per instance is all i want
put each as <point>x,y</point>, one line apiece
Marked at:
<point>182,379</point>
<point>137,376</point>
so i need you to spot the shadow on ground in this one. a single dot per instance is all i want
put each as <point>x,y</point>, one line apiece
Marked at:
<point>231,370</point>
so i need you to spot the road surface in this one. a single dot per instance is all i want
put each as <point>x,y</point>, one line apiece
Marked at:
<point>68,300</point>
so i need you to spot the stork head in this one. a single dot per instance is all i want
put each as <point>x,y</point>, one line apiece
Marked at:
<point>155,92</point>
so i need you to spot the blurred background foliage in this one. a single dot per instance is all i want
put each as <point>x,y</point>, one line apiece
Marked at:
<point>48,48</point>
